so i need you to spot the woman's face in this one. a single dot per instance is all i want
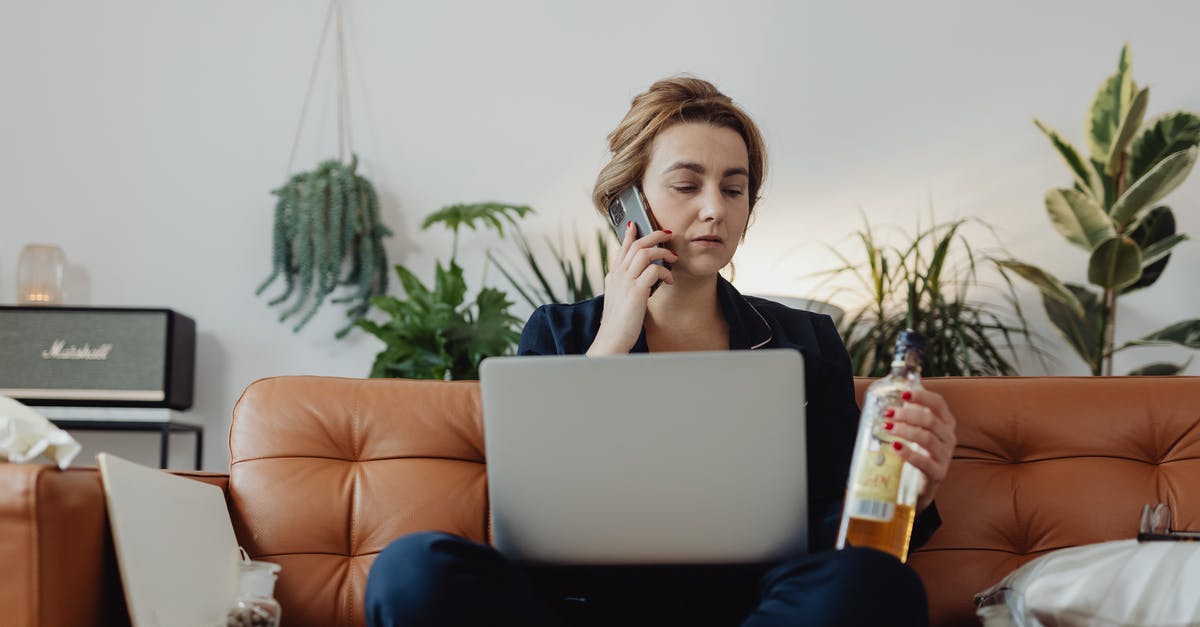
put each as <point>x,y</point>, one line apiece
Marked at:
<point>697,185</point>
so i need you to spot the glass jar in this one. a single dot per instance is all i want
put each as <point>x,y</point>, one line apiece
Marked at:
<point>40,272</point>
<point>255,605</point>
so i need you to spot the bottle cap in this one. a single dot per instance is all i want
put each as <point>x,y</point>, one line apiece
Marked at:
<point>909,340</point>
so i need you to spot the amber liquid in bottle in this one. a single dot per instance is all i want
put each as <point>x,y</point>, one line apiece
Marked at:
<point>882,490</point>
<point>889,537</point>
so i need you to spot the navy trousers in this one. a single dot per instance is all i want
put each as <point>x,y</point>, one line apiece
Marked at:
<point>433,579</point>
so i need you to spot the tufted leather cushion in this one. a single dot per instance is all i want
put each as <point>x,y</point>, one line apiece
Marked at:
<point>1047,463</point>
<point>326,472</point>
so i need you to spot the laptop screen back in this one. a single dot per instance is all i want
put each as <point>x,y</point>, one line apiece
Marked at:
<point>661,458</point>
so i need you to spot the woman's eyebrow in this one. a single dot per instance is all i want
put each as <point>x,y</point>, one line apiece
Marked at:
<point>699,169</point>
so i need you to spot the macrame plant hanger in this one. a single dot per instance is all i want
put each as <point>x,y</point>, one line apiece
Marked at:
<point>345,137</point>
<point>327,231</point>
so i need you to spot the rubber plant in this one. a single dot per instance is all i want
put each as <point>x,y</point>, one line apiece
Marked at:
<point>433,332</point>
<point>327,233</point>
<point>1112,212</point>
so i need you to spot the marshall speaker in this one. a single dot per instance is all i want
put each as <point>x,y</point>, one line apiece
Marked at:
<point>97,356</point>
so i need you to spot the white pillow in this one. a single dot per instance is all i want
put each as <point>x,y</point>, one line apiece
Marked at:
<point>1125,582</point>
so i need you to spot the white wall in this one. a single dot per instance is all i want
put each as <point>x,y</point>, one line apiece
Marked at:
<point>144,136</point>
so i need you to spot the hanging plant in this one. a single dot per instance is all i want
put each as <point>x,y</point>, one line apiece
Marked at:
<point>327,229</point>
<point>327,221</point>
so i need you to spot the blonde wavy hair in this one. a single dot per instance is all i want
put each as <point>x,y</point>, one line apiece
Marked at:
<point>668,102</point>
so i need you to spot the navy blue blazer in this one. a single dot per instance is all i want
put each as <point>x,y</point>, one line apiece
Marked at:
<point>832,412</point>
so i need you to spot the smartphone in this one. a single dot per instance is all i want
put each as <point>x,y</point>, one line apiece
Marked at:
<point>630,206</point>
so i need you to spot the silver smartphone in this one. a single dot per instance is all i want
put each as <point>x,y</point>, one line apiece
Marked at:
<point>630,206</point>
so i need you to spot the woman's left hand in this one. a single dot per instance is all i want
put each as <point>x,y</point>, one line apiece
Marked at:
<point>925,419</point>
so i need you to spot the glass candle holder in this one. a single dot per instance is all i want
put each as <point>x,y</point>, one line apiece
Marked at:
<point>40,271</point>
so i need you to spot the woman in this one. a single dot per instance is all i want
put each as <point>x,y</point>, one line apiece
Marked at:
<point>699,161</point>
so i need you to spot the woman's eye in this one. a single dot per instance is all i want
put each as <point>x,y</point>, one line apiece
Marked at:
<point>685,189</point>
<point>734,192</point>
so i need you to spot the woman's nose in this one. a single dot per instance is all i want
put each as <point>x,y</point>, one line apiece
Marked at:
<point>712,204</point>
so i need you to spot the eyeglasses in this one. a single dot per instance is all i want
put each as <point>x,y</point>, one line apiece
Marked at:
<point>1156,525</point>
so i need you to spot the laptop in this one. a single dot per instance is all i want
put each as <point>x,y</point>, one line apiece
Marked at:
<point>657,458</point>
<point>175,545</point>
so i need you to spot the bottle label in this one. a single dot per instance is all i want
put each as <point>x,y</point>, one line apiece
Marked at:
<point>876,485</point>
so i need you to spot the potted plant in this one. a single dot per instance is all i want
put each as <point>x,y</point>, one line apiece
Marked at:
<point>327,234</point>
<point>929,282</point>
<point>433,332</point>
<point>1111,211</point>
<point>574,271</point>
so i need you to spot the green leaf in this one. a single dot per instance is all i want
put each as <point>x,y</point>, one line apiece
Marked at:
<point>409,281</point>
<point>490,214</point>
<point>1161,180</point>
<point>1116,263</point>
<point>1129,125</point>
<point>1086,176</point>
<point>1160,369</point>
<point>1109,194</point>
<point>1151,233</point>
<point>1080,329</point>
<point>1185,333</point>
<point>1161,249</point>
<point>1165,135</point>
<point>1109,107</point>
<point>1078,218</point>
<point>450,287</point>
<point>1050,286</point>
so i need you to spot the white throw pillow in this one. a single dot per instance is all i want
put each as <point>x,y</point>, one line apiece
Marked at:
<point>1125,582</point>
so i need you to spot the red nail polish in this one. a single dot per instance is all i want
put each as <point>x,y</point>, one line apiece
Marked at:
<point>666,231</point>
<point>897,446</point>
<point>888,413</point>
<point>629,224</point>
<point>888,426</point>
<point>907,395</point>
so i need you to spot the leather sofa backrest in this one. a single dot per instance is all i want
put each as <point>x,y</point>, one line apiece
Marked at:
<point>326,472</point>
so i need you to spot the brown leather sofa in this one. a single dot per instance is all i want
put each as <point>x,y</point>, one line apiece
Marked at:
<point>327,471</point>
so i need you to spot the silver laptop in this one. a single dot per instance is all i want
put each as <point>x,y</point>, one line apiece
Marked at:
<point>175,546</point>
<point>661,458</point>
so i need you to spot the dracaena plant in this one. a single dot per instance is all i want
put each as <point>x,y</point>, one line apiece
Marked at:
<point>929,281</point>
<point>573,270</point>
<point>1112,212</point>
<point>434,333</point>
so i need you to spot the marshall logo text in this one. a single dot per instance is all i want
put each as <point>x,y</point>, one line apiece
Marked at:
<point>60,350</point>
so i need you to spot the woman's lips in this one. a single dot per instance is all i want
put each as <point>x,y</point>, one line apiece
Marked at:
<point>707,242</point>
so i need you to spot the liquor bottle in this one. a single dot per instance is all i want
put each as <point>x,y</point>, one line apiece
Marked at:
<point>882,490</point>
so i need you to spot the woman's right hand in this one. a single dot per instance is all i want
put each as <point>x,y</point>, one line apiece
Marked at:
<point>627,287</point>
